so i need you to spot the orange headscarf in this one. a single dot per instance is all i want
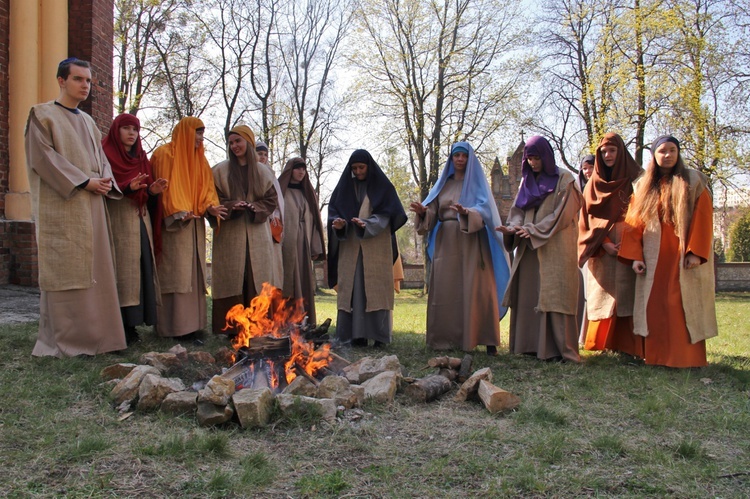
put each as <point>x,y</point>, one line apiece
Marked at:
<point>191,184</point>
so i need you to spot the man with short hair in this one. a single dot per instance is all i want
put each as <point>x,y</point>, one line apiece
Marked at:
<point>70,176</point>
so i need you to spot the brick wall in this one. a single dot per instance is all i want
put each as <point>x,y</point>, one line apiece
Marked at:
<point>5,257</point>
<point>90,37</point>
<point>18,253</point>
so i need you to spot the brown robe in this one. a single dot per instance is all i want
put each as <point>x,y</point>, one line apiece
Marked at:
<point>79,309</point>
<point>462,310</point>
<point>301,244</point>
<point>243,253</point>
<point>543,289</point>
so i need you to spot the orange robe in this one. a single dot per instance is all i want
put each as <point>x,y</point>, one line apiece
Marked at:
<point>668,342</point>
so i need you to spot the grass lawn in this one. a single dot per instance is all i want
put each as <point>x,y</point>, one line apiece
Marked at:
<point>607,427</point>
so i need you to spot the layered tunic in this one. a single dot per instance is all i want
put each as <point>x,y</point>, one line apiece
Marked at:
<point>674,307</point>
<point>543,291</point>
<point>303,242</point>
<point>361,260</point>
<point>462,305</point>
<point>79,309</point>
<point>609,283</point>
<point>132,231</point>
<point>182,265</point>
<point>243,253</point>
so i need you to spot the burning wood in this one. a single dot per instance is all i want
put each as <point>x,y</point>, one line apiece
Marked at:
<point>273,329</point>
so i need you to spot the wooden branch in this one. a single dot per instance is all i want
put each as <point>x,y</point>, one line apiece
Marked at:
<point>450,362</point>
<point>301,372</point>
<point>465,369</point>
<point>428,388</point>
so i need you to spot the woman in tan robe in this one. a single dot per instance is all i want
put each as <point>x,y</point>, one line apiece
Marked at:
<point>469,266</point>
<point>191,196</point>
<point>303,235</point>
<point>541,228</point>
<point>132,231</point>
<point>610,284</point>
<point>669,244</point>
<point>243,258</point>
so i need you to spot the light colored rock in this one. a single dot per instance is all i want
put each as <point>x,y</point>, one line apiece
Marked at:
<point>327,406</point>
<point>180,351</point>
<point>179,403</point>
<point>382,388</point>
<point>209,414</point>
<point>253,407</point>
<point>127,388</point>
<point>373,367</point>
<point>359,391</point>
<point>116,371</point>
<point>201,357</point>
<point>339,389</point>
<point>160,360</point>
<point>154,389</point>
<point>301,386</point>
<point>218,391</point>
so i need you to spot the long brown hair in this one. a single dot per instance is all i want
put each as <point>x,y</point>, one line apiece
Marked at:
<point>661,197</point>
<point>253,187</point>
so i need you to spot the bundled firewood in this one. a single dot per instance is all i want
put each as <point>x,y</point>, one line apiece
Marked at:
<point>453,368</point>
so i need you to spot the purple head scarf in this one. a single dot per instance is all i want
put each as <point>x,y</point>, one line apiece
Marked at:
<point>535,188</point>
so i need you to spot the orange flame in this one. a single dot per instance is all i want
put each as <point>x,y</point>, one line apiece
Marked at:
<point>271,314</point>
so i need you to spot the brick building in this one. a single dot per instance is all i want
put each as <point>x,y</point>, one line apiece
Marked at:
<point>34,37</point>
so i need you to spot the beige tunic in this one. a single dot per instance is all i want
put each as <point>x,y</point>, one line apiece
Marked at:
<point>610,284</point>
<point>300,245</point>
<point>240,234</point>
<point>377,259</point>
<point>125,217</point>
<point>462,310</point>
<point>543,289</point>
<point>79,309</point>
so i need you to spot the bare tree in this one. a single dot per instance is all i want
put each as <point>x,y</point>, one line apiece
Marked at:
<point>432,70</point>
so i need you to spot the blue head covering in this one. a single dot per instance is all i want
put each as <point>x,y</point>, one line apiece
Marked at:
<point>475,194</point>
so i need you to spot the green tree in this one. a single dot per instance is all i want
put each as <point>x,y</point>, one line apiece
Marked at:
<point>739,242</point>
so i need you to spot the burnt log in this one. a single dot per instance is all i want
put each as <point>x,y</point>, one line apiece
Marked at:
<point>428,388</point>
<point>464,370</point>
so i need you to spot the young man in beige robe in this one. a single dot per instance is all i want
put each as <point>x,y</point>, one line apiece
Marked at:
<point>70,176</point>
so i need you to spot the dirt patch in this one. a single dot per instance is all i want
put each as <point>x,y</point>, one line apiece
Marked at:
<point>18,304</point>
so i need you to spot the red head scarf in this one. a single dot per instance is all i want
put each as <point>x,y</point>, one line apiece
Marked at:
<point>127,165</point>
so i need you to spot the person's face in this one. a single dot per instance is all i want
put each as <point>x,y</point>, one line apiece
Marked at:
<point>460,160</point>
<point>237,145</point>
<point>78,84</point>
<point>359,170</point>
<point>128,136</point>
<point>199,138</point>
<point>666,155</point>
<point>588,169</point>
<point>262,156</point>
<point>535,162</point>
<point>298,174</point>
<point>609,155</point>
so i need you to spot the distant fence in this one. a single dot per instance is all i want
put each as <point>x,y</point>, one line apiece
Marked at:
<point>729,276</point>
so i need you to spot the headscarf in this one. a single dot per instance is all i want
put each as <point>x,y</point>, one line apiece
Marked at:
<point>661,140</point>
<point>126,166</point>
<point>254,186</point>
<point>534,188</point>
<point>605,201</point>
<point>308,192</point>
<point>344,204</point>
<point>582,180</point>
<point>261,146</point>
<point>477,195</point>
<point>191,184</point>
